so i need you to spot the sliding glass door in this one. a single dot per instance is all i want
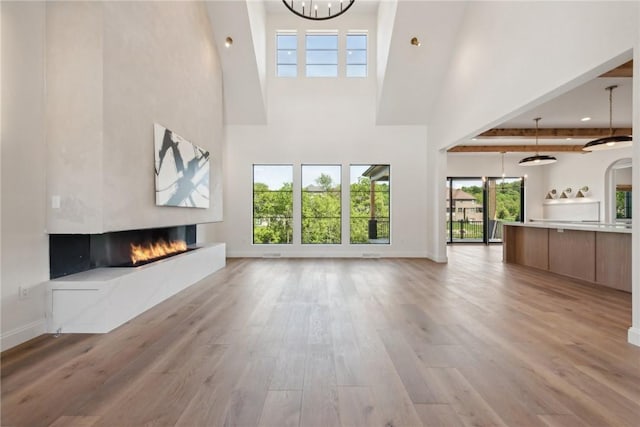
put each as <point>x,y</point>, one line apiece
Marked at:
<point>477,208</point>
<point>465,210</point>
<point>504,204</point>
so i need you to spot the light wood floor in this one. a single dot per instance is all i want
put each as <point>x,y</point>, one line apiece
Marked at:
<point>329,342</point>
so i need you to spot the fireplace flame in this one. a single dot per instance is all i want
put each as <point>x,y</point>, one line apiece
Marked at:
<point>155,250</point>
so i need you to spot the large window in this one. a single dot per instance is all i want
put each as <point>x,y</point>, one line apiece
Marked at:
<point>321,204</point>
<point>370,204</point>
<point>322,54</point>
<point>272,204</point>
<point>287,54</point>
<point>356,55</point>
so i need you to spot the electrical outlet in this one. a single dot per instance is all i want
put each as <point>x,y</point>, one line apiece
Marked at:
<point>23,292</point>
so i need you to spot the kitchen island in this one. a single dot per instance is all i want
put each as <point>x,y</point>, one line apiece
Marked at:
<point>594,252</point>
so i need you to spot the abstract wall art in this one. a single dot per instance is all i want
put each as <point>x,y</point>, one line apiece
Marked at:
<point>182,171</point>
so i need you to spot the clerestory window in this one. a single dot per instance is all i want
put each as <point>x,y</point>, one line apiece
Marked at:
<point>287,54</point>
<point>321,54</point>
<point>356,55</point>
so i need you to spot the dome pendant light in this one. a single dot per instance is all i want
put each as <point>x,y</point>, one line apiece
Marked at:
<point>538,159</point>
<point>316,13</point>
<point>610,141</point>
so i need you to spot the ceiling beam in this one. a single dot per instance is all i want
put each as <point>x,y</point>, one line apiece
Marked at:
<point>516,149</point>
<point>625,70</point>
<point>553,133</point>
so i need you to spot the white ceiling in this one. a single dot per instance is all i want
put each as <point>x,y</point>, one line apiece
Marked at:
<point>588,100</point>
<point>413,75</point>
<point>241,74</point>
<point>567,110</point>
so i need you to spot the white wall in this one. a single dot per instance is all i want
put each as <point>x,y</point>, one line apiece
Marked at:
<point>325,121</point>
<point>623,176</point>
<point>160,57</point>
<point>243,69</point>
<point>74,116</point>
<point>634,330</point>
<point>578,170</point>
<point>24,261</point>
<point>490,164</point>
<point>1,138</point>
<point>135,64</point>
<point>258,19</point>
<point>386,19</point>
<point>110,70</point>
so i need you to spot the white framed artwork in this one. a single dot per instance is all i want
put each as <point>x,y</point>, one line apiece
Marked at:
<point>182,170</point>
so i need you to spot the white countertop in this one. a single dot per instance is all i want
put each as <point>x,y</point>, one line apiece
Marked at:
<point>582,226</point>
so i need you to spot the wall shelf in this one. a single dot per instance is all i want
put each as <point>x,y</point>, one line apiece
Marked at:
<point>581,209</point>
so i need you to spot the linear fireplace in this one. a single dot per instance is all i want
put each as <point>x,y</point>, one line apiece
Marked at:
<point>74,253</point>
<point>101,299</point>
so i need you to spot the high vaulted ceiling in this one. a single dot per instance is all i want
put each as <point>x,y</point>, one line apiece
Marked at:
<point>409,77</point>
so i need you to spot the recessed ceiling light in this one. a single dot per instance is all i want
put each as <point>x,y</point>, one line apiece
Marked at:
<point>585,119</point>
<point>415,42</point>
<point>228,42</point>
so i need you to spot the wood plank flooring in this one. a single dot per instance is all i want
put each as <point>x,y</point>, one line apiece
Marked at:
<point>337,342</point>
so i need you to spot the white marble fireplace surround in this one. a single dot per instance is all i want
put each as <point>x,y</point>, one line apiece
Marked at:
<point>100,300</point>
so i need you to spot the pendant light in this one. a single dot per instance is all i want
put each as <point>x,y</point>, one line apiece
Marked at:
<point>538,159</point>
<point>610,141</point>
<point>318,14</point>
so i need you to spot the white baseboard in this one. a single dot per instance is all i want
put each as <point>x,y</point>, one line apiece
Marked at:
<point>370,253</point>
<point>438,259</point>
<point>22,334</point>
<point>634,336</point>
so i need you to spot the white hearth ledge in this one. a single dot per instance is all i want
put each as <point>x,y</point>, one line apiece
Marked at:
<point>634,336</point>
<point>100,300</point>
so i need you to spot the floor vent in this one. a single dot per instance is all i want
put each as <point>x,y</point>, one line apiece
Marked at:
<point>370,255</point>
<point>271,255</point>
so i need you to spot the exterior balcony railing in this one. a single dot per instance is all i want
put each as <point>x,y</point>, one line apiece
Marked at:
<point>472,230</point>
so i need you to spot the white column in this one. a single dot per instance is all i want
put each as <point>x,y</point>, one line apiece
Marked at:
<point>634,330</point>
<point>436,185</point>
